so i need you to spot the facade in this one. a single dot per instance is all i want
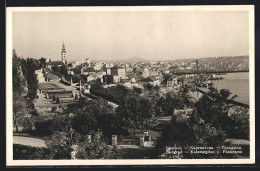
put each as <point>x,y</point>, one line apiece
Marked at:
<point>87,71</point>
<point>116,79</point>
<point>108,71</point>
<point>155,81</point>
<point>145,74</point>
<point>116,71</point>
<point>52,63</point>
<point>58,93</point>
<point>90,78</point>
<point>172,82</point>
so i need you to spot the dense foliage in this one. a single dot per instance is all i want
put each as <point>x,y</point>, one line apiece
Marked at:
<point>71,145</point>
<point>184,131</point>
<point>23,152</point>
<point>137,113</point>
<point>24,82</point>
<point>214,119</point>
<point>117,94</point>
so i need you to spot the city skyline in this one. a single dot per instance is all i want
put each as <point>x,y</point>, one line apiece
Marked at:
<point>112,35</point>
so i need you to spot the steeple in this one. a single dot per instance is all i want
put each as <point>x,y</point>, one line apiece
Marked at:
<point>63,47</point>
<point>63,54</point>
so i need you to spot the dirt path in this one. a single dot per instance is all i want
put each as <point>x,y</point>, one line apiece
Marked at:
<point>34,142</point>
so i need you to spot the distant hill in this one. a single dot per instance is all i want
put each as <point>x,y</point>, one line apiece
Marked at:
<point>136,59</point>
<point>133,59</point>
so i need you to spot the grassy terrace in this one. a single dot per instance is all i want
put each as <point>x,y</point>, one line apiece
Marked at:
<point>49,86</point>
<point>52,76</point>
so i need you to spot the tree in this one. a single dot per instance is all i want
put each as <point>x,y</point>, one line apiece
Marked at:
<point>171,101</point>
<point>19,88</point>
<point>184,131</point>
<point>84,122</point>
<point>64,70</point>
<point>68,145</point>
<point>166,77</point>
<point>137,90</point>
<point>77,69</point>
<point>96,148</point>
<point>59,145</point>
<point>214,107</point>
<point>55,68</point>
<point>42,62</point>
<point>53,109</point>
<point>58,100</point>
<point>136,113</point>
<point>28,67</point>
<point>59,123</point>
<point>147,113</point>
<point>76,96</point>
<point>239,123</point>
<point>53,98</point>
<point>92,115</point>
<point>18,110</point>
<point>157,89</point>
<point>148,87</point>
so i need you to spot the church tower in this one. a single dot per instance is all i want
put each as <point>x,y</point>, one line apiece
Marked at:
<point>63,54</point>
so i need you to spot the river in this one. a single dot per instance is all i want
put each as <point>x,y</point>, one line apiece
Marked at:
<point>237,83</point>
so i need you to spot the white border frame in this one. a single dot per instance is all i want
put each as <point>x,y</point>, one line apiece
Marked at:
<point>9,110</point>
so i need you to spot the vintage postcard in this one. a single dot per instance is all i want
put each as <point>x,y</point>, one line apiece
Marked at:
<point>150,85</point>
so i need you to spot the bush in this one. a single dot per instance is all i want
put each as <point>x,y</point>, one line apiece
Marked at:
<point>57,123</point>
<point>27,125</point>
<point>58,100</point>
<point>23,152</point>
<point>44,127</point>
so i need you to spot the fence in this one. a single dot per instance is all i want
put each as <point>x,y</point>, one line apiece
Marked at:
<point>135,141</point>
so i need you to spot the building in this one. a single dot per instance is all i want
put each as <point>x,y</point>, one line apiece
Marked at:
<point>146,74</point>
<point>58,93</point>
<point>188,67</point>
<point>87,70</point>
<point>116,79</point>
<point>117,71</point>
<point>172,82</point>
<point>129,69</point>
<point>152,80</point>
<point>71,72</point>
<point>125,81</point>
<point>52,63</point>
<point>87,61</point>
<point>90,78</point>
<point>108,71</point>
<point>63,54</point>
<point>155,81</point>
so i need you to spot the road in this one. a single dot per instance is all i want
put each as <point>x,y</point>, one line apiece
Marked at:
<point>34,142</point>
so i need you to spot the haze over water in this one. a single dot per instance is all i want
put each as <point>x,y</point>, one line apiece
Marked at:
<point>236,83</point>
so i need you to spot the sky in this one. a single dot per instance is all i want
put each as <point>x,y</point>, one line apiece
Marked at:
<point>113,35</point>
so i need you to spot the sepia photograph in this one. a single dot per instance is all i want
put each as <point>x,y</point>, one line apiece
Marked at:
<point>139,85</point>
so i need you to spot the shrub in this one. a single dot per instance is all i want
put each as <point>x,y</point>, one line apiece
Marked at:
<point>27,125</point>
<point>23,152</point>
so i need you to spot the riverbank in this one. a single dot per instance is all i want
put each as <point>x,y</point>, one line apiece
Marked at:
<point>237,83</point>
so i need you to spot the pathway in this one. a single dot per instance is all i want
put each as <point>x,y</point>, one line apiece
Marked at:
<point>34,142</point>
